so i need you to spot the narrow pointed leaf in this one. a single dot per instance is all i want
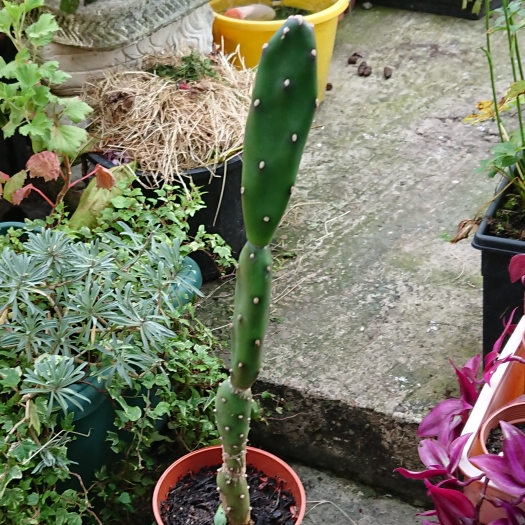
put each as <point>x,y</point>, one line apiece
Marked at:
<point>456,449</point>
<point>424,474</point>
<point>514,451</point>
<point>433,454</point>
<point>495,468</point>
<point>450,504</point>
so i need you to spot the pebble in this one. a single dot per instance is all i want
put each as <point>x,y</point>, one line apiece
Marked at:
<point>387,72</point>
<point>329,87</point>
<point>367,5</point>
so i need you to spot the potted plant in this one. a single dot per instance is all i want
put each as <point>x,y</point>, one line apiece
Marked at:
<point>283,100</point>
<point>469,482</point>
<point>498,236</point>
<point>247,37</point>
<point>90,333</point>
<point>470,9</point>
<point>28,107</point>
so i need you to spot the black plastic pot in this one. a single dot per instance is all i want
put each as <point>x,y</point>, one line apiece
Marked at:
<point>440,7</point>
<point>500,296</point>
<point>222,215</point>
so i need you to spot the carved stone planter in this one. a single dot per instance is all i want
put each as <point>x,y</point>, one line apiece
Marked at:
<point>118,33</point>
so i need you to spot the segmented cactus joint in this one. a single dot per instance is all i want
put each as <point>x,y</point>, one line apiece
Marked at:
<point>281,113</point>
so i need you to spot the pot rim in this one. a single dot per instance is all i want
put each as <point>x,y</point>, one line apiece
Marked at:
<point>251,452</point>
<point>512,413</point>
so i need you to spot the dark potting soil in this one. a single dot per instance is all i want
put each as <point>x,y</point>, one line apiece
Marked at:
<point>195,499</point>
<point>494,442</point>
<point>509,221</point>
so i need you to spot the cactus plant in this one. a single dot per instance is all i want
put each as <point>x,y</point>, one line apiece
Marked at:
<point>281,113</point>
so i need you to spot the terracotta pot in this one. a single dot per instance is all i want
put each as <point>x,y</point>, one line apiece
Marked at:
<point>268,463</point>
<point>512,413</point>
<point>506,386</point>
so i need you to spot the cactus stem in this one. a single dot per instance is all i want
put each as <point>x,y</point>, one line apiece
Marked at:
<point>242,190</point>
<point>255,300</point>
<point>241,416</point>
<point>294,137</point>
<point>286,30</point>
<point>268,269</point>
<point>228,509</point>
<point>241,496</point>
<point>215,410</point>
<point>218,488</point>
<point>256,102</point>
<point>235,446</point>
<point>261,165</point>
<point>287,82</point>
<point>266,219</point>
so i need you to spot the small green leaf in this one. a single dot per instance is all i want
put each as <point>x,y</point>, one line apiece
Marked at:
<point>76,109</point>
<point>5,22</point>
<point>41,32</point>
<point>220,517</point>
<point>15,183</point>
<point>133,413</point>
<point>27,75</point>
<point>121,202</point>
<point>29,5</point>
<point>32,499</point>
<point>10,377</point>
<point>34,420</point>
<point>124,498</point>
<point>39,127</point>
<point>15,11</point>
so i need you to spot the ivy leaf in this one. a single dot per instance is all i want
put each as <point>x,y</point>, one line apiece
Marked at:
<point>13,184</point>
<point>24,450</point>
<point>45,164</point>
<point>69,6</point>
<point>76,109</point>
<point>28,75</point>
<point>10,377</point>
<point>32,499</point>
<point>41,32</point>
<point>67,140</point>
<point>34,420</point>
<point>124,498</point>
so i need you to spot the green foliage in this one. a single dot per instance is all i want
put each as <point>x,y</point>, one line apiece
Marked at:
<point>194,67</point>
<point>26,100</point>
<point>100,307</point>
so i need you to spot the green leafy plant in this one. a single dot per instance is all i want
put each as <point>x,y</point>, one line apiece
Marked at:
<point>28,106</point>
<point>104,314</point>
<point>194,67</point>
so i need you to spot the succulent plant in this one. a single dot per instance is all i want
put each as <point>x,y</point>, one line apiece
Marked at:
<point>281,113</point>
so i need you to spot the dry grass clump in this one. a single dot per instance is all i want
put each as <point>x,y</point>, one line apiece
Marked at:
<point>171,126</point>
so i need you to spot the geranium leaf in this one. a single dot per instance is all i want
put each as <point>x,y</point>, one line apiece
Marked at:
<point>45,164</point>
<point>13,184</point>
<point>67,140</point>
<point>105,177</point>
<point>21,194</point>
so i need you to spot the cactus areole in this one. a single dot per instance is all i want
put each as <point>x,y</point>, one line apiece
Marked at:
<point>281,113</point>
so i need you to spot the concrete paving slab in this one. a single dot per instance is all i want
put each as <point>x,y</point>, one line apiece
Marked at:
<point>341,502</point>
<point>371,301</point>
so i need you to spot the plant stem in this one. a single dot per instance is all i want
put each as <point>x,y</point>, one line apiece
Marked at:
<point>66,175</point>
<point>512,50</point>
<point>488,54</point>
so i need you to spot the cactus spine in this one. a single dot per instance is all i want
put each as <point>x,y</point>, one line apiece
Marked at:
<point>281,113</point>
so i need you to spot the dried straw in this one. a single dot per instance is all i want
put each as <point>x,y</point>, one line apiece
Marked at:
<point>166,128</point>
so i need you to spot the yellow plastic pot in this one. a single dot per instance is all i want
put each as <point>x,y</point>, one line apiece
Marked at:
<point>250,36</point>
